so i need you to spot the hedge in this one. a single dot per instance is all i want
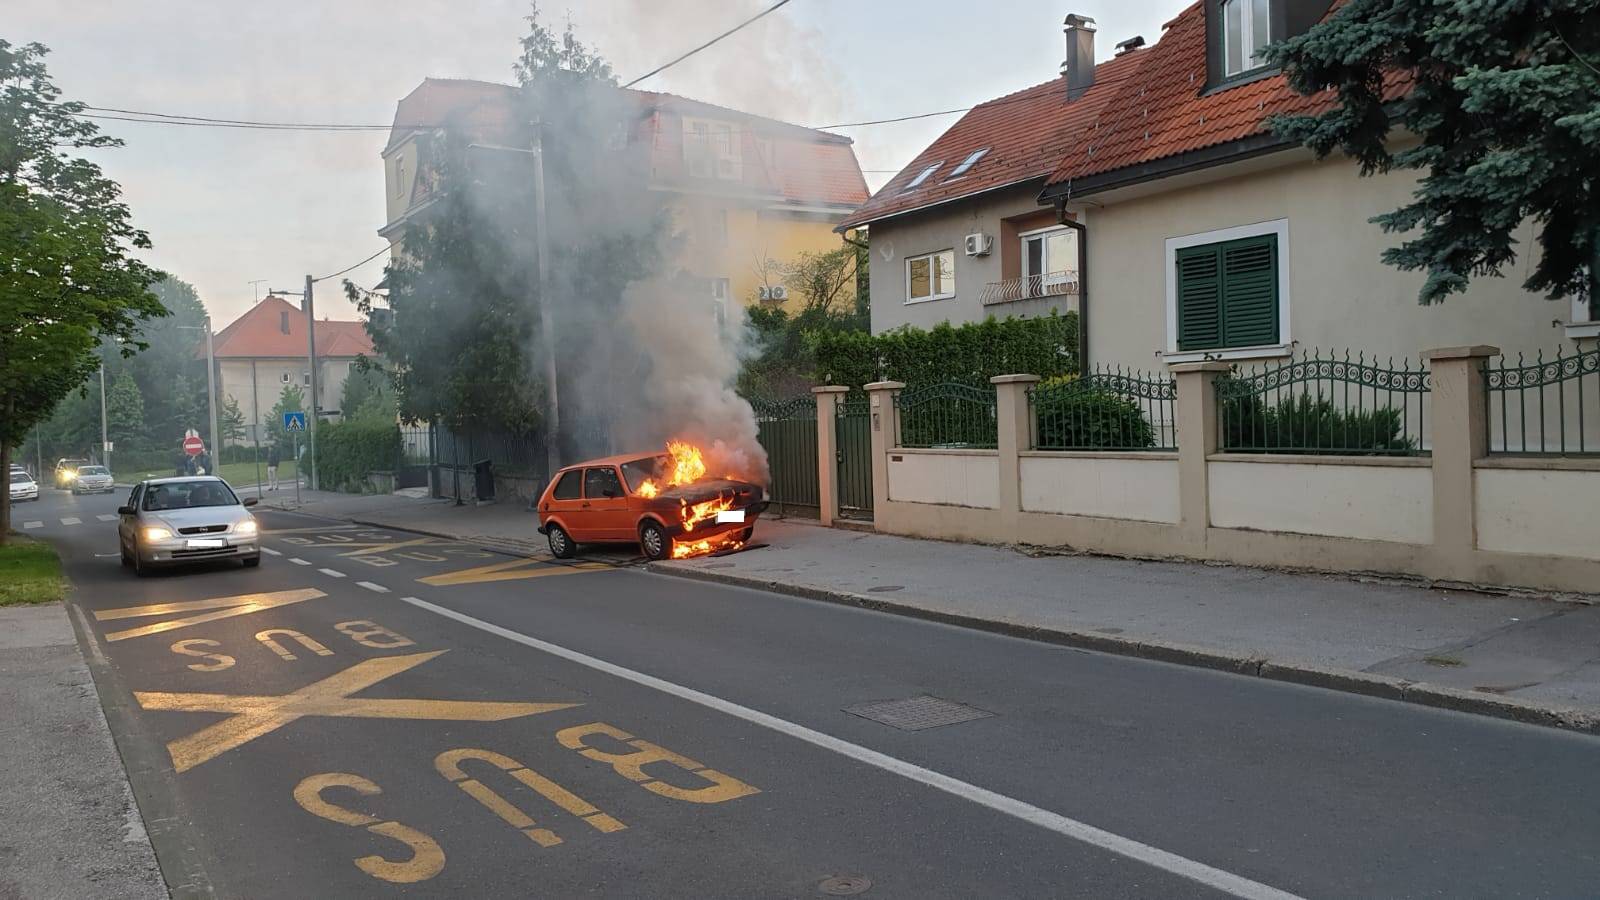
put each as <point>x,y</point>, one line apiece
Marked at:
<point>347,451</point>
<point>1087,418</point>
<point>969,354</point>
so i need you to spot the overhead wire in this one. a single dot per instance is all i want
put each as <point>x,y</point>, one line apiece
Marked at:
<point>356,266</point>
<point>665,66</point>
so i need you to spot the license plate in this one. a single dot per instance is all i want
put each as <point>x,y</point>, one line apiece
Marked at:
<point>207,543</point>
<point>730,515</point>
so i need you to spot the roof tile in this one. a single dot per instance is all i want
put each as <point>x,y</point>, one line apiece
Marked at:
<point>259,334</point>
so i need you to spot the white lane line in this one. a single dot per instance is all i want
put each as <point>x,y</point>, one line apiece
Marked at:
<point>72,520</point>
<point>332,573</point>
<point>376,588</point>
<point>1237,885</point>
<point>107,517</point>
<point>30,525</point>
<point>271,552</point>
<point>298,561</point>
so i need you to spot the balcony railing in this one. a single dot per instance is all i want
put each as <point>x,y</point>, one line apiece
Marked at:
<point>1029,287</point>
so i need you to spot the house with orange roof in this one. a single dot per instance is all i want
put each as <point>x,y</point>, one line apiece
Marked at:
<point>745,191</point>
<point>1149,193</point>
<point>265,350</point>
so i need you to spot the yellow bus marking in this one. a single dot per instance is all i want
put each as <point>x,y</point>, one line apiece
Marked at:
<point>511,571</point>
<point>224,607</point>
<point>254,716</point>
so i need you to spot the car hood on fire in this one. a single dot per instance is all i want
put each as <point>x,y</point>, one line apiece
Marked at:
<point>744,492</point>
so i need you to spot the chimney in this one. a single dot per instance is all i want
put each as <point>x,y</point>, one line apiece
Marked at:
<point>1078,69</point>
<point>1130,45</point>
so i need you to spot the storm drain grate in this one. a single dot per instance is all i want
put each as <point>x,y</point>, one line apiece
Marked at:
<point>917,713</point>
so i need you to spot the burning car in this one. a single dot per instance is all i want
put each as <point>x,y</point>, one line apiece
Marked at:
<point>664,501</point>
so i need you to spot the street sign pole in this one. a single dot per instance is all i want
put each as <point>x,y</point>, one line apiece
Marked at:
<point>311,351</point>
<point>297,468</point>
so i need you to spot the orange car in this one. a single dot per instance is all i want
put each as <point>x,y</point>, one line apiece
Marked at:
<point>617,500</point>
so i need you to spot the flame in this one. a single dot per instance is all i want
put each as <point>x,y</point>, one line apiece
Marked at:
<point>648,489</point>
<point>699,512</point>
<point>688,464</point>
<point>720,543</point>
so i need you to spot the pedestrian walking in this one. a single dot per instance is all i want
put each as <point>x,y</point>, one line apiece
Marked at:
<point>189,464</point>
<point>273,459</point>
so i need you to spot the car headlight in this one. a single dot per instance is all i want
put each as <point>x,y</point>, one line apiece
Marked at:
<point>156,534</point>
<point>68,476</point>
<point>248,526</point>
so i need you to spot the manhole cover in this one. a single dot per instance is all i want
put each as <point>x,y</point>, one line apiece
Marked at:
<point>917,713</point>
<point>845,885</point>
<point>886,588</point>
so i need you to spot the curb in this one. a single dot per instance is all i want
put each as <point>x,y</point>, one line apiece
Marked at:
<point>1384,687</point>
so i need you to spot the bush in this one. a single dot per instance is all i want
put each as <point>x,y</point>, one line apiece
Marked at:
<point>1072,417</point>
<point>1311,424</point>
<point>969,354</point>
<point>347,451</point>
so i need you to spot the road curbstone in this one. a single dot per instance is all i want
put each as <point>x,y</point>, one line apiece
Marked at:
<point>1383,687</point>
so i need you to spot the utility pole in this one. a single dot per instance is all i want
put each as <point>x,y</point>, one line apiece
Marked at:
<point>105,443</point>
<point>211,398</point>
<point>311,415</point>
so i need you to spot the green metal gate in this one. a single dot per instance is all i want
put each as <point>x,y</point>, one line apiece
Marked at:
<point>853,433</point>
<point>787,430</point>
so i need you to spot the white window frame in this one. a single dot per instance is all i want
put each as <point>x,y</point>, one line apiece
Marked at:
<point>1584,323</point>
<point>283,377</point>
<point>719,150</point>
<point>1283,347</point>
<point>966,164</point>
<point>721,288</point>
<point>400,175</point>
<point>929,256</point>
<point>1246,33</point>
<point>922,176</point>
<point>1022,241</point>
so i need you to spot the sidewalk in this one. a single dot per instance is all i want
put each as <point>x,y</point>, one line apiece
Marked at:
<point>1517,657</point>
<point>69,826</point>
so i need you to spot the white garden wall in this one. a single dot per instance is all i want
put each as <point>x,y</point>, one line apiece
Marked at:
<point>1141,487</point>
<point>1540,511</point>
<point>1388,501</point>
<point>950,477</point>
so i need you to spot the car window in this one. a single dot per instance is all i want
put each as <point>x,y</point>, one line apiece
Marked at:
<point>188,495</point>
<point>569,487</point>
<point>91,470</point>
<point>638,471</point>
<point>597,481</point>
<point>18,477</point>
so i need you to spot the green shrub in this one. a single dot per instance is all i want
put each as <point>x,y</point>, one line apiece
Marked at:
<point>968,354</point>
<point>1310,424</point>
<point>1086,417</point>
<point>347,451</point>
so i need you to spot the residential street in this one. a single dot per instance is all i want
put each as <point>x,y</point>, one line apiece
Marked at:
<point>310,737</point>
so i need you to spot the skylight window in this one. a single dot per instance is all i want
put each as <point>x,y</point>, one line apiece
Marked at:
<point>924,175</point>
<point>968,163</point>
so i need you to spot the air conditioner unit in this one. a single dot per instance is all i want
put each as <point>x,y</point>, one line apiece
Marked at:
<point>774,293</point>
<point>979,244</point>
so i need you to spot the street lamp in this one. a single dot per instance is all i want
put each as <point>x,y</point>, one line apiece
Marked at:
<point>211,385</point>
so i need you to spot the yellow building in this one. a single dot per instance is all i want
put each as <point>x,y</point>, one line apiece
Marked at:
<point>749,194</point>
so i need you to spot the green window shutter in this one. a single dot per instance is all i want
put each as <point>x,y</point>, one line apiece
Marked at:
<point>1250,291</point>
<point>1199,278</point>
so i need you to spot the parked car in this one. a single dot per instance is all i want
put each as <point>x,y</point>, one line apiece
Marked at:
<point>93,480</point>
<point>23,487</point>
<point>600,501</point>
<point>172,521</point>
<point>67,470</point>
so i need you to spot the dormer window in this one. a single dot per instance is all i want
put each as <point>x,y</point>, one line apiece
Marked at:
<point>968,163</point>
<point>1246,28</point>
<point>924,175</point>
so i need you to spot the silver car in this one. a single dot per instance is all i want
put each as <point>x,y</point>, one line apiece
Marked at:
<point>23,487</point>
<point>93,480</point>
<point>172,521</point>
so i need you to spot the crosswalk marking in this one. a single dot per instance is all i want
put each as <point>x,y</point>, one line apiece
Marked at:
<point>71,520</point>
<point>376,588</point>
<point>271,552</point>
<point>332,573</point>
<point>28,525</point>
<point>298,561</point>
<point>107,517</point>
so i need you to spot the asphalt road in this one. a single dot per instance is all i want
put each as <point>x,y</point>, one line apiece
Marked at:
<point>376,713</point>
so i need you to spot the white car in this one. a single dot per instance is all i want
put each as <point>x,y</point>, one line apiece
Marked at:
<point>23,487</point>
<point>172,521</point>
<point>93,480</point>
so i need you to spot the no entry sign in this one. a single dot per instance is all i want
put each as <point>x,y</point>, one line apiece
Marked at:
<point>192,445</point>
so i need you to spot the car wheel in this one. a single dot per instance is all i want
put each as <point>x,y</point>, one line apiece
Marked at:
<point>126,561</point>
<point>653,541</point>
<point>252,562</point>
<point>745,537</point>
<point>561,546</point>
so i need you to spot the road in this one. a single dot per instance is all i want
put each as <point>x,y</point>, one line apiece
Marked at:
<point>377,713</point>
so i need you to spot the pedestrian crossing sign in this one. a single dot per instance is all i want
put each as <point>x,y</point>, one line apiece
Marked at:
<point>294,421</point>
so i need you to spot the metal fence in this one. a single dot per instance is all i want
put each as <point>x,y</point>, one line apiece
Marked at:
<point>1545,406</point>
<point>853,432</point>
<point>1107,409</point>
<point>1329,405</point>
<point>948,415</point>
<point>787,430</point>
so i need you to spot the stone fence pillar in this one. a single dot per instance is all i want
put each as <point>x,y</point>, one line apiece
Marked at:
<point>1197,440</point>
<point>828,399</point>
<point>885,435</point>
<point>1459,439</point>
<point>1015,423</point>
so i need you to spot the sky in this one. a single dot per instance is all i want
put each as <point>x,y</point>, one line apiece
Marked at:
<point>227,207</point>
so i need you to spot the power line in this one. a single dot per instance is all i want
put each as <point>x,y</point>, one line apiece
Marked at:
<point>137,112</point>
<point>356,266</point>
<point>662,68</point>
